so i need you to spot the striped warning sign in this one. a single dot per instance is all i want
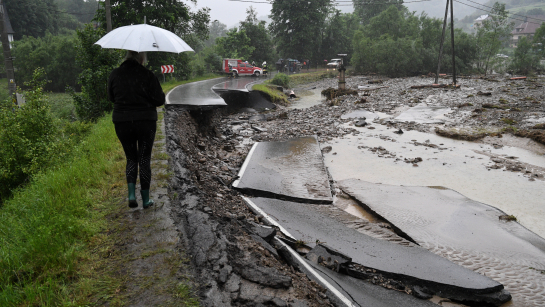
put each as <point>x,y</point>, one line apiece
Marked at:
<point>166,69</point>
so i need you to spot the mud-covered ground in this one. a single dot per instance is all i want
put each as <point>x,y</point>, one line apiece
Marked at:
<point>233,263</point>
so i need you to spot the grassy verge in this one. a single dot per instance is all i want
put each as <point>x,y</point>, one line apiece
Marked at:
<point>270,91</point>
<point>167,86</point>
<point>310,77</point>
<point>50,229</point>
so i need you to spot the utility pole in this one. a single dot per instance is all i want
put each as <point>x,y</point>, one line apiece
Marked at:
<point>452,41</point>
<point>8,60</point>
<point>441,45</point>
<point>108,10</point>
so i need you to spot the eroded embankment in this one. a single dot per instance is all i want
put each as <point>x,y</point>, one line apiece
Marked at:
<point>233,261</point>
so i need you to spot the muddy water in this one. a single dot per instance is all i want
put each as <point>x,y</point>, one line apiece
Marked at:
<point>307,98</point>
<point>457,167</point>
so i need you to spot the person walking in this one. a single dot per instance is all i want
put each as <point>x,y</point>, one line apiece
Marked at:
<point>136,93</point>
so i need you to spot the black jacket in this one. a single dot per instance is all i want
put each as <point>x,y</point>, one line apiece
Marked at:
<point>135,92</point>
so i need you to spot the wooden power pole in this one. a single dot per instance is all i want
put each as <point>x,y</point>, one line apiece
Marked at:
<point>8,60</point>
<point>452,43</point>
<point>108,9</point>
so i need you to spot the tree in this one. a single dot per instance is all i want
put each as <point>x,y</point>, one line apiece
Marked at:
<point>539,41</point>
<point>33,17</point>
<point>96,65</point>
<point>525,58</point>
<point>337,35</point>
<point>491,34</point>
<point>367,9</point>
<point>56,54</point>
<point>297,26</point>
<point>82,10</point>
<point>259,37</point>
<point>235,45</point>
<point>172,15</point>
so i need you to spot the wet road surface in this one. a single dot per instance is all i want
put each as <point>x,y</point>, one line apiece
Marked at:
<point>293,170</point>
<point>198,95</point>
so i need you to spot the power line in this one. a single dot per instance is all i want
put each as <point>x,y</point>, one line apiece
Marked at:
<point>510,13</point>
<point>478,8</point>
<point>335,2</point>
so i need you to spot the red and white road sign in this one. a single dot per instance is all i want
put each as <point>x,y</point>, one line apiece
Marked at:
<point>166,69</point>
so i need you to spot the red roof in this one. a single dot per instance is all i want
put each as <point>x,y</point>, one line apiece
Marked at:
<point>530,26</point>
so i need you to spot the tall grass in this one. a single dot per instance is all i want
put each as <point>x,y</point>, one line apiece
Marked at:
<point>45,227</point>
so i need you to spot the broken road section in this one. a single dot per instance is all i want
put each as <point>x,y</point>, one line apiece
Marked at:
<point>462,230</point>
<point>291,170</point>
<point>413,266</point>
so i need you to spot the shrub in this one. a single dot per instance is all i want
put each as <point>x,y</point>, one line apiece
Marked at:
<point>32,138</point>
<point>26,135</point>
<point>56,54</point>
<point>96,64</point>
<point>282,80</point>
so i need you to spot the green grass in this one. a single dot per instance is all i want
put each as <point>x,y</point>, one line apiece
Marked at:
<point>4,92</point>
<point>274,95</point>
<point>62,106</point>
<point>48,229</point>
<point>169,85</point>
<point>310,77</point>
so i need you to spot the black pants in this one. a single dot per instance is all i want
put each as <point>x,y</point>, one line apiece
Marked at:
<point>137,139</point>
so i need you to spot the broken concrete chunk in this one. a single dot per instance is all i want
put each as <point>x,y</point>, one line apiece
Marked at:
<point>328,257</point>
<point>265,276</point>
<point>265,232</point>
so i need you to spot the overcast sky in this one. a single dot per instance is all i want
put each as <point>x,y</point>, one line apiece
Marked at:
<point>232,12</point>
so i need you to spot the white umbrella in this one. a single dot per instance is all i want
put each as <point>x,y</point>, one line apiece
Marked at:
<point>142,38</point>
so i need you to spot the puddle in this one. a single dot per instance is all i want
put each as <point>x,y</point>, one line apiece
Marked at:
<point>308,99</point>
<point>424,114</point>
<point>364,113</point>
<point>457,167</point>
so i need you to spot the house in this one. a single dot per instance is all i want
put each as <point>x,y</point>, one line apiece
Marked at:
<point>527,28</point>
<point>480,20</point>
<point>7,24</point>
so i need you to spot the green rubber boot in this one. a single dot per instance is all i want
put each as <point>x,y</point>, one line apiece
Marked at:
<point>145,198</point>
<point>132,196</point>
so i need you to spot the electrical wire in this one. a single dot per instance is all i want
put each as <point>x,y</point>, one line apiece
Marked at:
<point>485,10</point>
<point>510,13</point>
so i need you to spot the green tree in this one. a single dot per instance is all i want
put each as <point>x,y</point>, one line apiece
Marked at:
<point>215,29</point>
<point>259,37</point>
<point>174,16</point>
<point>56,54</point>
<point>367,9</point>
<point>337,35</point>
<point>525,58</point>
<point>297,27</point>
<point>235,45</point>
<point>96,65</point>
<point>491,34</point>
<point>33,17</point>
<point>82,10</point>
<point>539,41</point>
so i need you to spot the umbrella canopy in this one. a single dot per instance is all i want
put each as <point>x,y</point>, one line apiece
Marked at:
<point>142,38</point>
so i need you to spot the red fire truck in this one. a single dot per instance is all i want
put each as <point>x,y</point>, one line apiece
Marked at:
<point>240,68</point>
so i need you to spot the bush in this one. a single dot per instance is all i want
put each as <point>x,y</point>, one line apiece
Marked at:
<point>32,138</point>
<point>56,54</point>
<point>282,80</point>
<point>96,64</point>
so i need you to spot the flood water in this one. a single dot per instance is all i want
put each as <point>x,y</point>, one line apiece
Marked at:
<point>458,167</point>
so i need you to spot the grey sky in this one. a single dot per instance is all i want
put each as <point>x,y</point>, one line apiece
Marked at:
<point>232,12</point>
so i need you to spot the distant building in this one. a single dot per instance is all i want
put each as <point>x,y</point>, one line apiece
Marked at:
<point>7,25</point>
<point>480,20</point>
<point>527,28</point>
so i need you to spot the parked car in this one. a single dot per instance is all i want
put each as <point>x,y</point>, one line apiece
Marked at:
<point>334,63</point>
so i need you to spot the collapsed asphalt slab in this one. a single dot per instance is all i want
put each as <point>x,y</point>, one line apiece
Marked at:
<point>412,265</point>
<point>465,231</point>
<point>291,170</point>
